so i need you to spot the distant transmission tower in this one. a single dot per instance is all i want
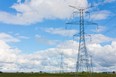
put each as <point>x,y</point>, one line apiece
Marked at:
<point>91,62</point>
<point>61,63</point>
<point>83,63</point>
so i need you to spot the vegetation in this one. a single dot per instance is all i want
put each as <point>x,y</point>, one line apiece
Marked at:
<point>55,75</point>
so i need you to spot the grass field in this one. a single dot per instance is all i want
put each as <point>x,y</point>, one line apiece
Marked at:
<point>53,75</point>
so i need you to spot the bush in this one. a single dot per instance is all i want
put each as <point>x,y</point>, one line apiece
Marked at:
<point>1,72</point>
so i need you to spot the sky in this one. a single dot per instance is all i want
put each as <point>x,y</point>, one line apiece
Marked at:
<point>34,33</point>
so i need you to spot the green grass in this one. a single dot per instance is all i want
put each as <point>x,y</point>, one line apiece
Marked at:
<point>54,75</point>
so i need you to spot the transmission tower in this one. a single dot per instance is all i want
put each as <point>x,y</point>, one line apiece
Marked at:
<point>61,63</point>
<point>82,60</point>
<point>83,63</point>
<point>91,62</point>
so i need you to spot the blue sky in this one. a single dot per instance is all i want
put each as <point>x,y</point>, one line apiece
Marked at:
<point>40,25</point>
<point>31,45</point>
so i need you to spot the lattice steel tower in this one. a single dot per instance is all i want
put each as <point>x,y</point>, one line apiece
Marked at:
<point>82,60</point>
<point>83,63</point>
<point>61,63</point>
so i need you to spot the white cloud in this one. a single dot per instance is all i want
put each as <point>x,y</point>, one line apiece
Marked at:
<point>8,38</point>
<point>22,37</point>
<point>8,56</point>
<point>99,38</point>
<point>43,40</point>
<point>17,35</point>
<point>32,11</point>
<point>38,61</point>
<point>100,15</point>
<point>61,31</point>
<point>49,59</point>
<point>109,1</point>
<point>99,29</point>
<point>19,1</point>
<point>104,56</point>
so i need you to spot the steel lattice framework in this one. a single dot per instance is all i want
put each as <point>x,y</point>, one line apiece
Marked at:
<point>84,63</point>
<point>83,58</point>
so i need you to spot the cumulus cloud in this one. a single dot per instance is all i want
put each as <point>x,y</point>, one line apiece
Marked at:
<point>13,60</point>
<point>100,15</point>
<point>99,29</point>
<point>32,11</point>
<point>99,38</point>
<point>43,40</point>
<point>103,56</point>
<point>8,56</point>
<point>8,38</point>
<point>61,31</point>
<point>49,59</point>
<point>17,35</point>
